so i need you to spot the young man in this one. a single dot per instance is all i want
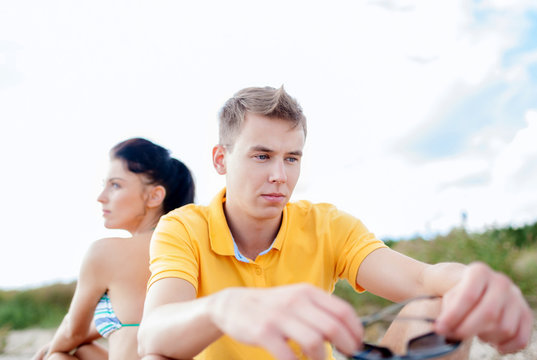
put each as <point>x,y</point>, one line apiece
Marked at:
<point>249,276</point>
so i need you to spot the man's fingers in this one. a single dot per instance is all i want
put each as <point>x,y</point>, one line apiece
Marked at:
<point>278,347</point>
<point>506,327</point>
<point>301,312</point>
<point>314,317</point>
<point>462,299</point>
<point>333,326</point>
<point>343,312</point>
<point>487,304</point>
<point>521,338</point>
<point>310,340</point>
<point>484,317</point>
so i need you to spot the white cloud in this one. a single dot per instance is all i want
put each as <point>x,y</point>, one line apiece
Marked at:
<point>521,5</point>
<point>518,158</point>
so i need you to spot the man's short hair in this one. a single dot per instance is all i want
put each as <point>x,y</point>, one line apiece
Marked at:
<point>265,101</point>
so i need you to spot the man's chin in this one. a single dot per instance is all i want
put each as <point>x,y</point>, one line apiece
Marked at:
<point>271,212</point>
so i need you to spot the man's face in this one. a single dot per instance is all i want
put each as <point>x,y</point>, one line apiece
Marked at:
<point>262,167</point>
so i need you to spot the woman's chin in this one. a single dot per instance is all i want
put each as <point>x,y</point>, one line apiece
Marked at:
<point>109,226</point>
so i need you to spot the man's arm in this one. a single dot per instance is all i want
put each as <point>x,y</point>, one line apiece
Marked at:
<point>476,299</point>
<point>177,325</point>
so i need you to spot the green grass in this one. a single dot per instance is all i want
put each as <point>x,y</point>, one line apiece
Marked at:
<point>41,307</point>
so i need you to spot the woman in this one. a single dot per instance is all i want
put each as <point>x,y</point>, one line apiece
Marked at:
<point>143,183</point>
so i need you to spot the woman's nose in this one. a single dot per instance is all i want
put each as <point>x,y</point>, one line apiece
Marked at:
<point>102,197</point>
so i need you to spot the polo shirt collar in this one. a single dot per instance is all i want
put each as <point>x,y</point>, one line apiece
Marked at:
<point>277,244</point>
<point>219,233</point>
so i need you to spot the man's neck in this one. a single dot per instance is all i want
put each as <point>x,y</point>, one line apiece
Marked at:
<point>252,236</point>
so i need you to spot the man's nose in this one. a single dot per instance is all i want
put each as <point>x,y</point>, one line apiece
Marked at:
<point>278,172</point>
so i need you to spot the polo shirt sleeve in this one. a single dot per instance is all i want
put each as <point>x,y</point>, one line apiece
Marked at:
<point>357,243</point>
<point>172,253</point>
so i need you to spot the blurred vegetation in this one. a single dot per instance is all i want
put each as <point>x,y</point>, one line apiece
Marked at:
<point>41,307</point>
<point>509,250</point>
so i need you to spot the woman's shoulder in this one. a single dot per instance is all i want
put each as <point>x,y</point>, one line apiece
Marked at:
<point>106,244</point>
<point>97,264</point>
<point>103,249</point>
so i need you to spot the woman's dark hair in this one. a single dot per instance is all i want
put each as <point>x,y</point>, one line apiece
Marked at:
<point>152,160</point>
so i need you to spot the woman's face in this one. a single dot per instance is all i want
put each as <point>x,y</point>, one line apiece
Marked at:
<point>123,197</point>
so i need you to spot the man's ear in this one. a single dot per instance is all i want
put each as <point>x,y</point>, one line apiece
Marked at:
<point>156,196</point>
<point>219,159</point>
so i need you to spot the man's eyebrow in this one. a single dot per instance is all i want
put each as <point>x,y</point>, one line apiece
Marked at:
<point>262,148</point>
<point>296,153</point>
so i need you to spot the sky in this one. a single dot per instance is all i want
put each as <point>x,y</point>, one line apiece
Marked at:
<point>418,111</point>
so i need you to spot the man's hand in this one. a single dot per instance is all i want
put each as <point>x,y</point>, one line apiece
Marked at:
<point>41,353</point>
<point>302,313</point>
<point>487,304</point>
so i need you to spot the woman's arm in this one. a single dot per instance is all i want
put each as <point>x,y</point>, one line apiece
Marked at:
<point>76,327</point>
<point>43,351</point>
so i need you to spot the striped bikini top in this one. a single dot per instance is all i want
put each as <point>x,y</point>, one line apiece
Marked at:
<point>105,318</point>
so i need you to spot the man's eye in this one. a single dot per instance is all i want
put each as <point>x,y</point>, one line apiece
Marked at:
<point>262,156</point>
<point>292,159</point>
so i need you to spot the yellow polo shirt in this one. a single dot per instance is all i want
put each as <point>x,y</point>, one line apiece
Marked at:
<point>316,243</point>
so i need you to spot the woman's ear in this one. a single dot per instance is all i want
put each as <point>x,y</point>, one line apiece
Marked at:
<point>156,196</point>
<point>219,159</point>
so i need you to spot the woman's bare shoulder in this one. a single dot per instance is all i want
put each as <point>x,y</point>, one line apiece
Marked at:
<point>105,244</point>
<point>106,248</point>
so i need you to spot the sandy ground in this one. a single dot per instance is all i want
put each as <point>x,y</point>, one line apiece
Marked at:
<point>21,345</point>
